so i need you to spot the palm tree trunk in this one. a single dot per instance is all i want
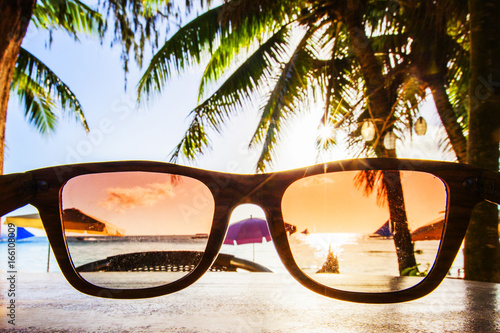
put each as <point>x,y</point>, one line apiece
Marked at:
<point>380,108</point>
<point>448,116</point>
<point>376,92</point>
<point>397,212</point>
<point>16,15</point>
<point>482,248</point>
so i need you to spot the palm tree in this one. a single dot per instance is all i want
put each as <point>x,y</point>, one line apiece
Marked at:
<point>482,248</point>
<point>442,63</point>
<point>380,105</point>
<point>261,30</point>
<point>439,59</point>
<point>293,39</point>
<point>37,86</point>
<point>293,47</point>
<point>279,41</point>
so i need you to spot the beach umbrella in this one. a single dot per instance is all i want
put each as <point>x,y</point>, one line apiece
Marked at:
<point>77,221</point>
<point>431,231</point>
<point>74,221</point>
<point>23,234</point>
<point>249,231</point>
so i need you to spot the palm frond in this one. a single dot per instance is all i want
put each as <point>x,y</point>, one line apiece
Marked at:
<point>224,57</point>
<point>394,44</point>
<point>252,23</point>
<point>251,16</point>
<point>183,49</point>
<point>411,42</point>
<point>337,78</point>
<point>334,77</point>
<point>33,80</point>
<point>290,90</point>
<point>73,16</point>
<point>248,21</point>
<point>39,106</point>
<point>458,78</point>
<point>231,96</point>
<point>381,17</point>
<point>244,81</point>
<point>194,142</point>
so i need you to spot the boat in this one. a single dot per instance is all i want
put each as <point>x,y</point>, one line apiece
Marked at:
<point>385,231</point>
<point>200,236</point>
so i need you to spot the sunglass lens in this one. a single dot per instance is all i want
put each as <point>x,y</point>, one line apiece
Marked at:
<point>366,231</point>
<point>132,230</point>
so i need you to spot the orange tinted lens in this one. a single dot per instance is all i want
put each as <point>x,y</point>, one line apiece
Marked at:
<point>366,231</point>
<point>134,230</point>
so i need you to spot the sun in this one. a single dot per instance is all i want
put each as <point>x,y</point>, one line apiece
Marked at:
<point>326,132</point>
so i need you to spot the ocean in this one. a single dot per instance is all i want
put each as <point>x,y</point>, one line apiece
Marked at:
<point>363,257</point>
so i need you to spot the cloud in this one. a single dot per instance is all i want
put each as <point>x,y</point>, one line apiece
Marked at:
<point>121,199</point>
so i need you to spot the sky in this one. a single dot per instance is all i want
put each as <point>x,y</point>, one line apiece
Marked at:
<point>122,130</point>
<point>143,203</point>
<point>338,203</point>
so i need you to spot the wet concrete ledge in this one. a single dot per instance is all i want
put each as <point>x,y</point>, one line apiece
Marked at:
<point>245,302</point>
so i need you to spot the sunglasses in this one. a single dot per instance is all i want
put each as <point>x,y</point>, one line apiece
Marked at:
<point>364,230</point>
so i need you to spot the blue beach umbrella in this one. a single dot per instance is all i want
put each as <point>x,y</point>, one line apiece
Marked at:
<point>23,233</point>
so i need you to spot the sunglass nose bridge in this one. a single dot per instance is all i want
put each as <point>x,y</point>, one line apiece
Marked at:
<point>246,189</point>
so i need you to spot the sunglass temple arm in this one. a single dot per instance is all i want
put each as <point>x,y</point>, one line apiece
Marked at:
<point>488,186</point>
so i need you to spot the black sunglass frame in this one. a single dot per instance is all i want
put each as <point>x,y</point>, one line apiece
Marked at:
<point>466,186</point>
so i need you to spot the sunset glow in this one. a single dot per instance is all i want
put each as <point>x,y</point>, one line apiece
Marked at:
<point>143,203</point>
<point>334,203</point>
